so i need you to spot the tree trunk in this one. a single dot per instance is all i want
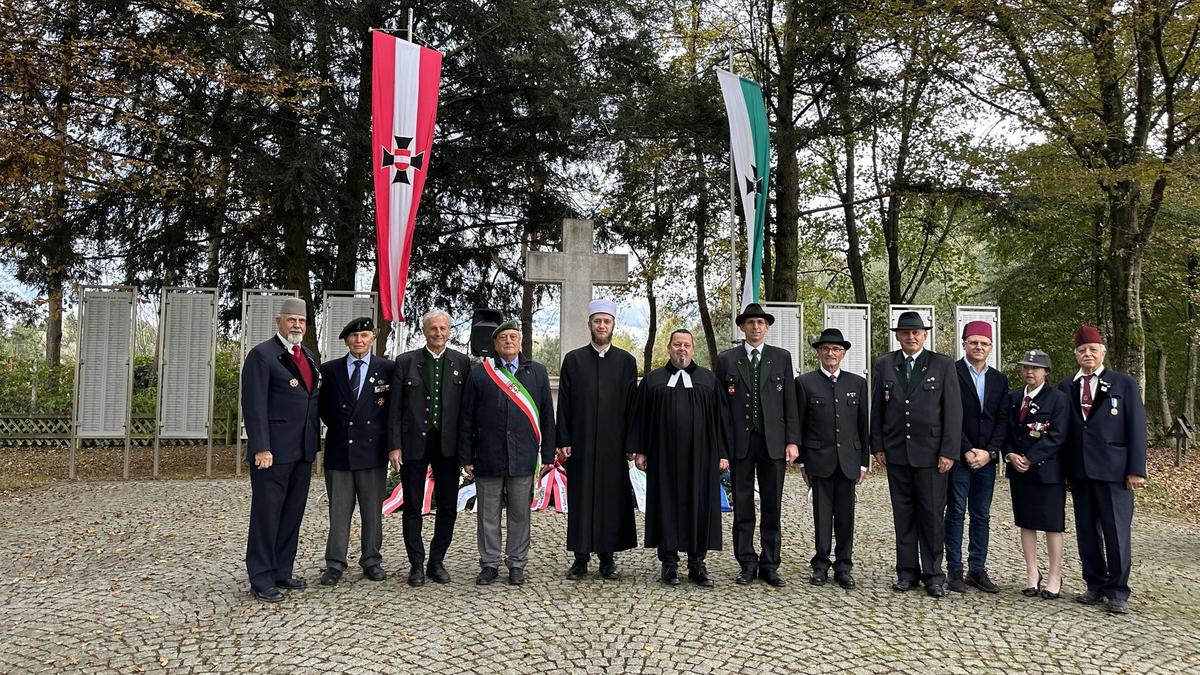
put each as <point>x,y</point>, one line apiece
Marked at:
<point>54,321</point>
<point>1128,341</point>
<point>652,331</point>
<point>701,257</point>
<point>787,178</point>
<point>842,99</point>
<point>1164,398</point>
<point>1192,371</point>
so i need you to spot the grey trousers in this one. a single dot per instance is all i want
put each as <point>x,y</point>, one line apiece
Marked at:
<point>490,492</point>
<point>366,486</point>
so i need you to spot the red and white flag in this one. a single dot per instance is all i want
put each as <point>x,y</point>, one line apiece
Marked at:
<point>404,97</point>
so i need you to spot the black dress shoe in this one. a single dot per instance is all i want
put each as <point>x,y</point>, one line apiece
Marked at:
<point>935,590</point>
<point>374,573</point>
<point>844,580</point>
<point>818,577</point>
<point>416,577</point>
<point>771,576</point>
<point>954,582</point>
<point>698,574</point>
<point>902,585</point>
<point>608,570</point>
<point>1117,606</point>
<point>438,573</point>
<point>578,571</point>
<point>486,576</point>
<point>292,584</point>
<point>1047,595</point>
<point>746,575</point>
<point>330,576</point>
<point>516,576</point>
<point>1089,597</point>
<point>670,575</point>
<point>272,594</point>
<point>1033,591</point>
<point>981,581</point>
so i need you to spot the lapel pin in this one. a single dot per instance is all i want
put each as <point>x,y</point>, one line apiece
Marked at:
<point>294,382</point>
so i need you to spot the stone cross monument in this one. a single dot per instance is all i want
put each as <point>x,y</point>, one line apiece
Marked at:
<point>576,270</point>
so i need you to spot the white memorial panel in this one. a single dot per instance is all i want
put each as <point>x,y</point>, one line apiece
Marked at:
<point>338,309</point>
<point>855,323</point>
<point>259,308</point>
<point>188,325</point>
<point>788,331</point>
<point>104,385</point>
<point>964,315</point>
<point>926,312</point>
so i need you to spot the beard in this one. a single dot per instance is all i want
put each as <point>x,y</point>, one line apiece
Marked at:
<point>601,340</point>
<point>295,338</point>
<point>680,362</point>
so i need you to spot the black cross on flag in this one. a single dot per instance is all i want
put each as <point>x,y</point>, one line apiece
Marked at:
<point>402,158</point>
<point>754,186</point>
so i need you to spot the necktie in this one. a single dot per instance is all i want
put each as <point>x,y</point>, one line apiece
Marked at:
<point>1024,409</point>
<point>512,367</point>
<point>1085,399</point>
<point>910,362</point>
<point>356,377</point>
<point>754,358</point>
<point>302,365</point>
<point>833,379</point>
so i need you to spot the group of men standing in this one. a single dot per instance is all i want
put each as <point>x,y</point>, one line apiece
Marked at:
<point>937,427</point>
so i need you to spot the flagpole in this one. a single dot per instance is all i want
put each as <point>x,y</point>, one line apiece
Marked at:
<point>733,294</point>
<point>410,12</point>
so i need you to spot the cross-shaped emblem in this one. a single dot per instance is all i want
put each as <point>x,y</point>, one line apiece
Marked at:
<point>401,158</point>
<point>755,185</point>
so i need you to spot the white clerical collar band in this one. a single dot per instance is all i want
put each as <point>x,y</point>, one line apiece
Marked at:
<point>687,379</point>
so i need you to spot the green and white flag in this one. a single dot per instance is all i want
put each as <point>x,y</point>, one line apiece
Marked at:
<point>749,139</point>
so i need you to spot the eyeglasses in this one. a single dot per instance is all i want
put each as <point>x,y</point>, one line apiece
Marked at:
<point>977,343</point>
<point>831,348</point>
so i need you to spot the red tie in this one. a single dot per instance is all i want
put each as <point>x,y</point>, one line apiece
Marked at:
<point>1085,400</point>
<point>1024,409</point>
<point>302,364</point>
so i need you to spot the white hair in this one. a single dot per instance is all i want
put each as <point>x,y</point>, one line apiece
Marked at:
<point>435,313</point>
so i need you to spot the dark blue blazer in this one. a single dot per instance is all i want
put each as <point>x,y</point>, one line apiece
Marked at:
<point>983,429</point>
<point>1106,447</point>
<point>357,428</point>
<point>493,433</point>
<point>1044,450</point>
<point>279,413</point>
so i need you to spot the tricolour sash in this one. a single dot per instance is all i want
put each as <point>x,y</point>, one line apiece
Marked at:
<point>516,392</point>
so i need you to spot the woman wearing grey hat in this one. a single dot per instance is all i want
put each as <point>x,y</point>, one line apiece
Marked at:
<point>1037,428</point>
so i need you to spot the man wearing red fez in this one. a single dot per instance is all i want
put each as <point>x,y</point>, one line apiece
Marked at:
<point>1105,461</point>
<point>984,394</point>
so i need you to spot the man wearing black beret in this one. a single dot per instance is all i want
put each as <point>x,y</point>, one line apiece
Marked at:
<point>353,404</point>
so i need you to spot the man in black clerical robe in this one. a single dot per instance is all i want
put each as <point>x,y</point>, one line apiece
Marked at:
<point>677,441</point>
<point>595,386</point>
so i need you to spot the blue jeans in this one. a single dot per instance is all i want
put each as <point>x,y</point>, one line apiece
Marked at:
<point>969,489</point>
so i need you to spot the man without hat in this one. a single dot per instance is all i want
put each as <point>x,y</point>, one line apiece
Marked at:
<point>1105,460</point>
<point>354,407</point>
<point>984,394</point>
<point>759,397</point>
<point>507,420</point>
<point>595,387</point>
<point>834,455</point>
<point>279,406</point>
<point>916,431</point>
<point>427,392</point>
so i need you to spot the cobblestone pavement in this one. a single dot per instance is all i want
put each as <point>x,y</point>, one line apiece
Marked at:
<point>149,576</point>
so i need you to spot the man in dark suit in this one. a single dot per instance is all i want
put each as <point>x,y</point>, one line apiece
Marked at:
<point>279,406</point>
<point>426,394</point>
<point>353,406</point>
<point>833,417</point>
<point>1105,458</point>
<point>984,394</point>
<point>916,431</point>
<point>507,420</point>
<point>759,401</point>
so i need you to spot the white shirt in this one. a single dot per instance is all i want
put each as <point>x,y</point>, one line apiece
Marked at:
<point>838,373</point>
<point>749,348</point>
<point>1095,382</point>
<point>602,352</point>
<point>1033,394</point>
<point>437,355</point>
<point>286,345</point>
<point>914,357</point>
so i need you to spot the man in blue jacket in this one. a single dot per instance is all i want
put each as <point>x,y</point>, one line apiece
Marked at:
<point>984,393</point>
<point>1106,461</point>
<point>279,406</point>
<point>354,406</point>
<point>507,419</point>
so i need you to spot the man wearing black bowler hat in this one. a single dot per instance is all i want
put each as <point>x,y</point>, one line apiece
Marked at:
<point>758,395</point>
<point>916,430</point>
<point>834,455</point>
<point>354,407</point>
